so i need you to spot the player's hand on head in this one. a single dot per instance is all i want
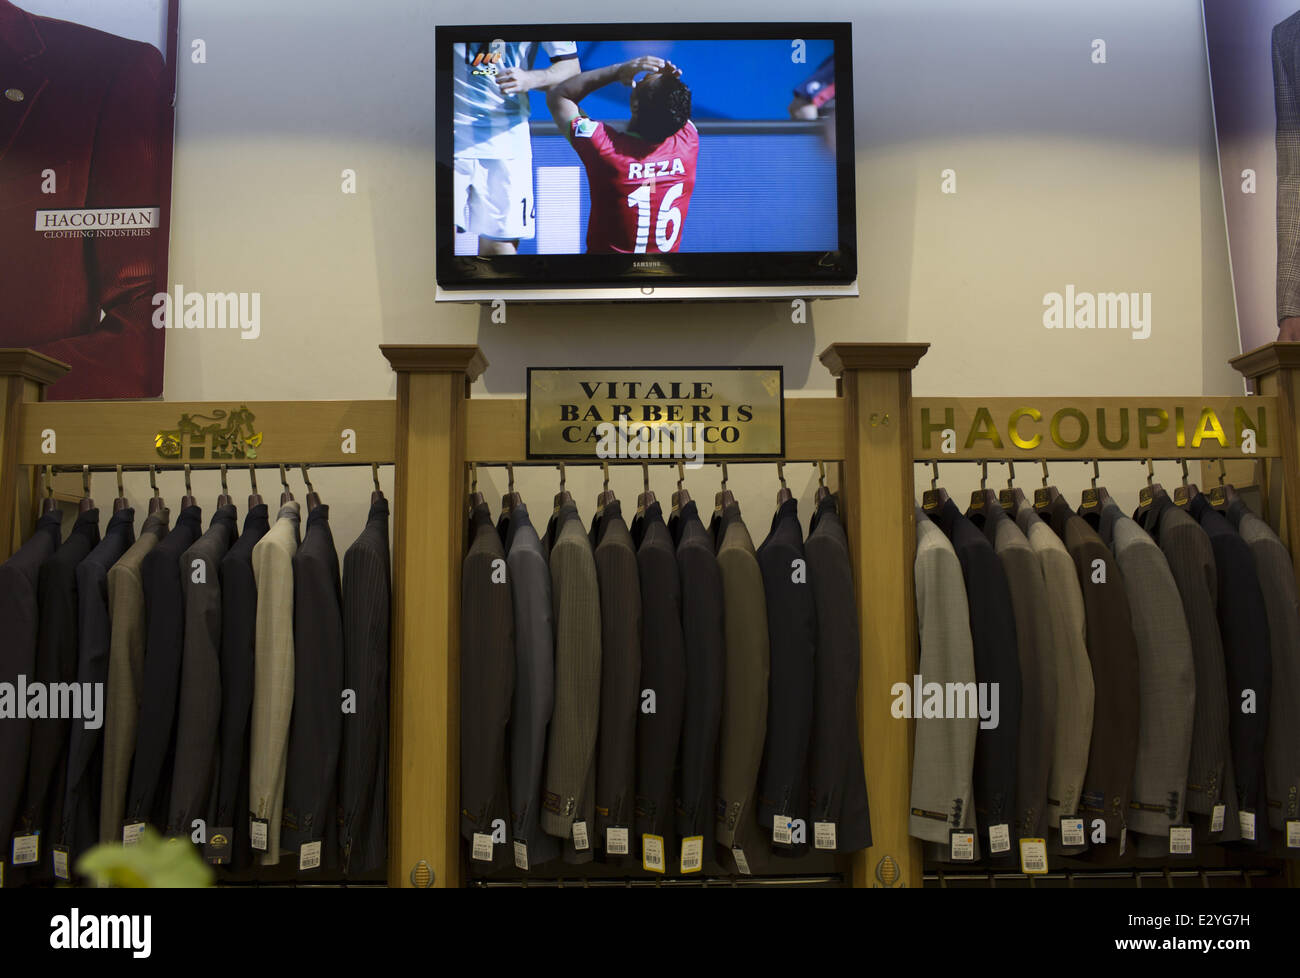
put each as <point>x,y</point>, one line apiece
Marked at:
<point>670,69</point>
<point>630,69</point>
<point>514,81</point>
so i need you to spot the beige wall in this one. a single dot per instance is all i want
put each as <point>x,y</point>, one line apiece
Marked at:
<point>1103,176</point>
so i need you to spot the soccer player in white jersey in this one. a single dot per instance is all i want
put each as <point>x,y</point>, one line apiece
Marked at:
<point>494,153</point>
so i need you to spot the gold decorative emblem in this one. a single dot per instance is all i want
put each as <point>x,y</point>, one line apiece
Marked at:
<point>230,435</point>
<point>422,875</point>
<point>888,873</point>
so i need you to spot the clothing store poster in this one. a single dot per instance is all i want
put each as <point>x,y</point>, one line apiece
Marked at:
<point>86,112</point>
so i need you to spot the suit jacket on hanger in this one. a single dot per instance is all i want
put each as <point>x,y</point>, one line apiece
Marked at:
<point>569,793</point>
<point>534,693</point>
<point>363,775</point>
<point>943,760</point>
<point>56,662</point>
<point>1277,581</point>
<point>663,671</point>
<point>993,633</point>
<point>126,612</point>
<point>1243,623</point>
<point>1166,677</point>
<point>316,729</point>
<point>20,613</point>
<point>702,611</point>
<point>80,828</point>
<point>273,673</point>
<point>487,678</point>
<point>1112,649</point>
<point>620,675</point>
<point>198,716</point>
<point>228,805</point>
<point>1191,562</point>
<point>745,684</point>
<point>165,619</point>
<point>1038,681</point>
<point>792,639</point>
<point>837,778</point>
<point>1069,665</point>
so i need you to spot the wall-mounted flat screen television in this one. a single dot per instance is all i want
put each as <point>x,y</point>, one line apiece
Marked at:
<point>631,160</point>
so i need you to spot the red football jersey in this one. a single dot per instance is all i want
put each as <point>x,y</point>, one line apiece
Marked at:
<point>639,190</point>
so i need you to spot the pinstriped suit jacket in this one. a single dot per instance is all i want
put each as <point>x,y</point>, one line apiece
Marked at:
<point>620,674</point>
<point>1166,675</point>
<point>1277,579</point>
<point>745,684</point>
<point>125,673</point>
<point>943,760</point>
<point>1074,685</point>
<point>273,671</point>
<point>569,788</point>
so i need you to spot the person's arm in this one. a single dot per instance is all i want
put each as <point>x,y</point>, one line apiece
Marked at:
<point>563,98</point>
<point>517,81</point>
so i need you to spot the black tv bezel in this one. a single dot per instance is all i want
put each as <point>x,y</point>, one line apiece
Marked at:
<point>693,270</point>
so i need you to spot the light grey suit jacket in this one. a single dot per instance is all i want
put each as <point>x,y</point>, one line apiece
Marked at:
<point>272,674</point>
<point>944,756</point>
<point>1073,669</point>
<point>125,674</point>
<point>569,794</point>
<point>1277,579</point>
<point>745,679</point>
<point>1166,677</point>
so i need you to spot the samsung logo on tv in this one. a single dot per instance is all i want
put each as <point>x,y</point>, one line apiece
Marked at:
<point>648,264</point>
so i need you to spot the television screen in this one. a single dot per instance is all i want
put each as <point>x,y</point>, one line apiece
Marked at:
<point>579,156</point>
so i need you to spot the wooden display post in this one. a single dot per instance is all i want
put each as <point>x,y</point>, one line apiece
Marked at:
<point>24,375</point>
<point>875,382</point>
<point>429,526</point>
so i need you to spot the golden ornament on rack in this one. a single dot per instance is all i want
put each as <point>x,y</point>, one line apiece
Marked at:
<point>230,435</point>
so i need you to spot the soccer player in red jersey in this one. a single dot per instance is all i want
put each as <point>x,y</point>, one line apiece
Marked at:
<point>640,180</point>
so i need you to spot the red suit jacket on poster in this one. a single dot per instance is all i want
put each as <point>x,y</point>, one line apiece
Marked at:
<point>95,110</point>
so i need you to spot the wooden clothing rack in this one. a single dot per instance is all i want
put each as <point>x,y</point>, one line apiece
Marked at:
<point>872,428</point>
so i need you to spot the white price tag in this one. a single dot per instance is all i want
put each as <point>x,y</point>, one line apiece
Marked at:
<point>1000,838</point>
<point>742,864</point>
<point>692,853</point>
<point>616,841</point>
<point>1072,832</point>
<point>131,832</point>
<point>482,847</point>
<point>521,855</point>
<point>257,833</point>
<point>1033,856</point>
<point>1217,815</point>
<point>1247,819</point>
<point>309,856</point>
<point>963,846</point>
<point>781,834</point>
<point>27,849</point>
<point>652,853</point>
<point>1180,840</point>
<point>60,854</point>
<point>824,835</point>
<point>1293,834</point>
<point>580,836</point>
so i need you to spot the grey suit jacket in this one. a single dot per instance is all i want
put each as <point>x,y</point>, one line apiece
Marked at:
<point>487,679</point>
<point>272,675</point>
<point>19,612</point>
<point>1286,98</point>
<point>1038,667</point>
<point>1166,677</point>
<point>1073,671</point>
<point>569,792</point>
<point>534,693</point>
<point>745,683</point>
<point>198,714</point>
<point>620,674</point>
<point>125,673</point>
<point>1191,561</point>
<point>1277,579</point>
<point>943,760</point>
